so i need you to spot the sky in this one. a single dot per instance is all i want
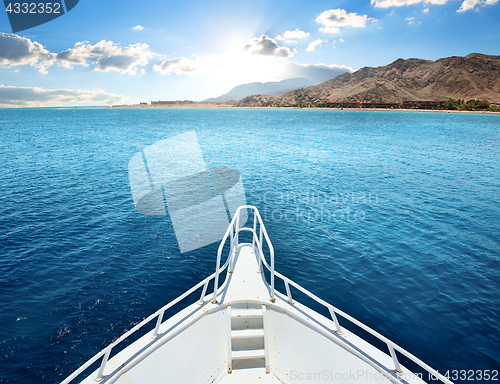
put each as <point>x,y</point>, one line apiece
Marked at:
<point>126,52</point>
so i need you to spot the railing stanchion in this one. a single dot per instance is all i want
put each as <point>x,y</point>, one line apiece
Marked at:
<point>103,364</point>
<point>336,321</point>
<point>273,299</point>
<point>261,255</point>
<point>203,293</point>
<point>216,281</point>
<point>237,232</point>
<point>231,252</point>
<point>158,323</point>
<point>232,239</point>
<point>260,235</point>
<point>289,293</point>
<point>229,231</point>
<point>397,366</point>
<point>254,229</point>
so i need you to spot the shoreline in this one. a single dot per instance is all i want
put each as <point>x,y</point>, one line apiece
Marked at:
<point>226,106</point>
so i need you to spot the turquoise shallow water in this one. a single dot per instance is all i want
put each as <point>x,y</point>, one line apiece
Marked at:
<point>393,217</point>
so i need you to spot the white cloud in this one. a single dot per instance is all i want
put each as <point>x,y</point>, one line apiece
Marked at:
<point>410,20</point>
<point>471,4</point>
<point>468,4</point>
<point>290,35</point>
<point>341,40</point>
<point>425,10</point>
<point>314,44</point>
<point>138,28</point>
<point>332,30</point>
<point>107,56</point>
<point>400,3</point>
<point>334,19</point>
<point>40,97</point>
<point>281,38</point>
<point>265,46</point>
<point>16,50</point>
<point>180,66</point>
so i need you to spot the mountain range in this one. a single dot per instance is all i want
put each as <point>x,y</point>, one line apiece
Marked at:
<point>475,76</point>
<point>276,88</point>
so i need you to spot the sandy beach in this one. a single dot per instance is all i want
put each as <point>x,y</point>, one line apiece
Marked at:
<point>225,106</point>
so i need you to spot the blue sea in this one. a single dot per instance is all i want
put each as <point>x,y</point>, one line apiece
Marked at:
<point>393,217</point>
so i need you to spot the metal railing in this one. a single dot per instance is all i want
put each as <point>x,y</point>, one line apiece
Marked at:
<point>392,347</point>
<point>257,244</point>
<point>258,240</point>
<point>234,230</point>
<point>105,353</point>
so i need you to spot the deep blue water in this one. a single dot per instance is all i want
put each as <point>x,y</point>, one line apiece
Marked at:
<point>393,217</point>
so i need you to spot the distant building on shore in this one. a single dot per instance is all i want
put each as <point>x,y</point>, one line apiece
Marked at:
<point>168,102</point>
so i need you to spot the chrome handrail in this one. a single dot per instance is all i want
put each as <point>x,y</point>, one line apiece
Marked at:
<point>105,353</point>
<point>235,243</point>
<point>257,243</point>
<point>333,311</point>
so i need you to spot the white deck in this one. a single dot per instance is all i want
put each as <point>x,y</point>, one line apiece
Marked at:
<point>302,345</point>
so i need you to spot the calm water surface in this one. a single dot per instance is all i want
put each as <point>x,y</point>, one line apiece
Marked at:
<point>393,217</point>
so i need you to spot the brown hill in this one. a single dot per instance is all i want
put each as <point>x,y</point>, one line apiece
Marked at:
<point>475,76</point>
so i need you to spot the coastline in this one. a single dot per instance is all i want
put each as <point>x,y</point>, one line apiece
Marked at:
<point>226,106</point>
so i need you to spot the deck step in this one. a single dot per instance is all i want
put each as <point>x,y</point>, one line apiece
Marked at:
<point>247,333</point>
<point>246,312</point>
<point>249,354</point>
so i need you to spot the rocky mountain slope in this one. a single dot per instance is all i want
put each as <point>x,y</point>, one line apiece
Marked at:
<point>475,76</point>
